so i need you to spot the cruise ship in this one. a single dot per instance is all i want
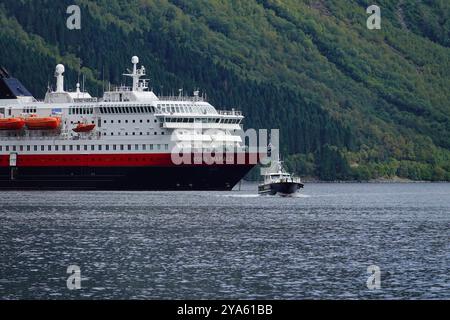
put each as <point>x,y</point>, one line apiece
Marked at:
<point>122,141</point>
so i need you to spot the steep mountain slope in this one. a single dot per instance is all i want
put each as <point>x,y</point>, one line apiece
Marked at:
<point>351,103</point>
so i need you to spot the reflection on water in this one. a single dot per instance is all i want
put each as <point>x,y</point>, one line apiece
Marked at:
<point>164,245</point>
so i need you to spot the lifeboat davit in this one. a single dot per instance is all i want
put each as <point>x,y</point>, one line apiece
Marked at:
<point>84,128</point>
<point>49,123</point>
<point>12,124</point>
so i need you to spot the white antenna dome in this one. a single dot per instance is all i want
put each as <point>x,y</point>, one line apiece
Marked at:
<point>60,69</point>
<point>135,60</point>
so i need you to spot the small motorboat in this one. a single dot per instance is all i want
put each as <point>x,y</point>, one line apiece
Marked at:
<point>279,182</point>
<point>48,123</point>
<point>82,127</point>
<point>11,123</point>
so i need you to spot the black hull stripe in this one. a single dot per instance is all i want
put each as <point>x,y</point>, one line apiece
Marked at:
<point>123,178</point>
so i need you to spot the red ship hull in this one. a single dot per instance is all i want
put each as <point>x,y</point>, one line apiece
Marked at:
<point>118,172</point>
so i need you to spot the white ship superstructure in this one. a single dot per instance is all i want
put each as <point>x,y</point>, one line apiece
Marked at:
<point>121,141</point>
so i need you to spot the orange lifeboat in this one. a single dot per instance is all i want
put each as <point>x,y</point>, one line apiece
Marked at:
<point>84,128</point>
<point>12,123</point>
<point>49,123</point>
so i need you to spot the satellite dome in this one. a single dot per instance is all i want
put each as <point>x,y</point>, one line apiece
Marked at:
<point>60,69</point>
<point>135,60</point>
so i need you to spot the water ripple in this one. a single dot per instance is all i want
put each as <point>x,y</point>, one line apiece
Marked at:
<point>162,245</point>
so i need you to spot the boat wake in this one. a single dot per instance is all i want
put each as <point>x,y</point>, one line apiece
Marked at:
<point>301,195</point>
<point>296,195</point>
<point>240,195</point>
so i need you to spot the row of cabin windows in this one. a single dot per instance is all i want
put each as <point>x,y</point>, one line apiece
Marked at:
<point>119,133</point>
<point>127,121</point>
<point>29,110</point>
<point>118,121</point>
<point>123,109</point>
<point>175,108</point>
<point>112,110</point>
<point>180,108</point>
<point>107,147</point>
<point>203,120</point>
<point>134,133</point>
<point>81,110</point>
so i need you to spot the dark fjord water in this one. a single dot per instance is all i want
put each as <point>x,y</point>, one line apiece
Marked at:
<point>160,245</point>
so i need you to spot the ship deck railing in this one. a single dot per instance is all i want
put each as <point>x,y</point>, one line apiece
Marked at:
<point>230,112</point>
<point>55,136</point>
<point>182,98</point>
<point>283,180</point>
<point>85,100</point>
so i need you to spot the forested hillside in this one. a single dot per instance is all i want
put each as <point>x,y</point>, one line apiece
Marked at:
<point>351,103</point>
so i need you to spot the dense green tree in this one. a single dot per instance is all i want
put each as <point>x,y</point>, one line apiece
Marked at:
<point>351,103</point>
